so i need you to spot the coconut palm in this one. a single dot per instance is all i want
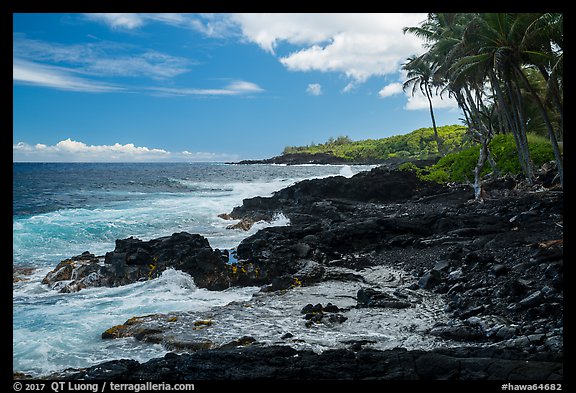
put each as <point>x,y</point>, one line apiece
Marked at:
<point>420,75</point>
<point>484,61</point>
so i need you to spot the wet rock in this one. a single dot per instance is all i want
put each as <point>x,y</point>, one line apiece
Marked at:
<point>472,311</point>
<point>368,297</point>
<point>187,346</point>
<point>430,279</point>
<point>73,274</point>
<point>506,332</point>
<point>112,370</point>
<point>309,308</point>
<point>136,260</point>
<point>317,314</point>
<point>498,270</point>
<point>21,273</point>
<point>241,342</point>
<point>457,332</point>
<point>244,224</point>
<point>531,300</point>
<point>282,282</point>
<point>337,318</point>
<point>356,345</point>
<point>301,249</point>
<point>281,362</point>
<point>310,272</point>
<point>442,265</point>
<point>131,328</point>
<point>331,308</point>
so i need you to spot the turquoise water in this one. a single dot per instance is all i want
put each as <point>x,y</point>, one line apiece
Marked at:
<point>63,209</point>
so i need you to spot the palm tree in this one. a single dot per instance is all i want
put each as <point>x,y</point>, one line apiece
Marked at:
<point>484,61</point>
<point>421,75</point>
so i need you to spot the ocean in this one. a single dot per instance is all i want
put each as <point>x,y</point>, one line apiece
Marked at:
<point>63,209</point>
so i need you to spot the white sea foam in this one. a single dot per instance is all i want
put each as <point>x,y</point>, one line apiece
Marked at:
<point>346,171</point>
<point>269,316</point>
<point>54,331</point>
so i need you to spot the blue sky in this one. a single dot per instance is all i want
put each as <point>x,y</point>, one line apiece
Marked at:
<point>209,87</point>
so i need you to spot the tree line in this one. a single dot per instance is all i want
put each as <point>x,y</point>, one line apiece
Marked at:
<point>505,70</point>
<point>418,144</point>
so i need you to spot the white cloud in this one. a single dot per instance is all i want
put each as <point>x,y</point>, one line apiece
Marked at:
<point>26,72</point>
<point>314,89</point>
<point>118,20</point>
<point>419,102</point>
<point>267,30</point>
<point>244,87</point>
<point>391,89</point>
<point>358,45</point>
<point>213,25</point>
<point>69,150</point>
<point>234,88</point>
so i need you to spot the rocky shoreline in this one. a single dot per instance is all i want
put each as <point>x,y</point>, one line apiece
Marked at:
<point>300,159</point>
<point>320,159</point>
<point>497,265</point>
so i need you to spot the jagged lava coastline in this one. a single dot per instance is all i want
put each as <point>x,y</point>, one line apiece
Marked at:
<point>497,265</point>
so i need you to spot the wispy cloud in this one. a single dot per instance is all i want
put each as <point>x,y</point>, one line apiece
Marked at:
<point>102,59</point>
<point>83,67</point>
<point>118,20</point>
<point>212,25</point>
<point>234,88</point>
<point>69,150</point>
<point>26,72</point>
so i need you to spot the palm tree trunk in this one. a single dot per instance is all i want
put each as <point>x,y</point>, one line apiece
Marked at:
<point>478,190</point>
<point>552,87</point>
<point>519,132</point>
<point>523,137</point>
<point>551,134</point>
<point>438,142</point>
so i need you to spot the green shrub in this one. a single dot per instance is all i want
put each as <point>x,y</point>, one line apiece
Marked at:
<point>459,167</point>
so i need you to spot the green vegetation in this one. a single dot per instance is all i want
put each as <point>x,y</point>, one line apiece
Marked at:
<point>418,144</point>
<point>459,166</point>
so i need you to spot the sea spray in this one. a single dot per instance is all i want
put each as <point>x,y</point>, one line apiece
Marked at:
<point>346,171</point>
<point>61,210</point>
<point>64,209</point>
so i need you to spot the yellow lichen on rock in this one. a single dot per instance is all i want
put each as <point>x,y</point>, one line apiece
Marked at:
<point>115,332</point>
<point>202,324</point>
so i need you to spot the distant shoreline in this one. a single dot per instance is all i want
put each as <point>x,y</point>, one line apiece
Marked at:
<point>322,159</point>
